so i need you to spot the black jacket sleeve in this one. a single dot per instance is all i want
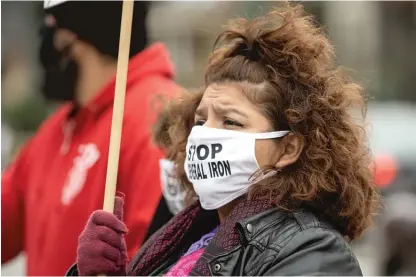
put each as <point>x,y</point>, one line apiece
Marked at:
<point>315,252</point>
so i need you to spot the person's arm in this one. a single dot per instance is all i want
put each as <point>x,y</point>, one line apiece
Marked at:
<point>12,207</point>
<point>315,252</point>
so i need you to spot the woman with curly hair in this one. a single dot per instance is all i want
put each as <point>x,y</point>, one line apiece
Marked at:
<point>279,166</point>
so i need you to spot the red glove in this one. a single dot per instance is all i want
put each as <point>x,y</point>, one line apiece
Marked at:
<point>101,246</point>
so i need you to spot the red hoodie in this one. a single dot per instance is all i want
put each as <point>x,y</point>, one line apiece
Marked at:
<point>57,181</point>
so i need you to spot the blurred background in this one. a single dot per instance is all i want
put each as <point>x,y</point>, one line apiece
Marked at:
<point>377,40</point>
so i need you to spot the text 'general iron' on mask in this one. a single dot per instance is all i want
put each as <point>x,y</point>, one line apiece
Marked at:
<point>60,70</point>
<point>219,163</point>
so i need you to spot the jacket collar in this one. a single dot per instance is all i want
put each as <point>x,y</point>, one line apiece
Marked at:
<point>251,226</point>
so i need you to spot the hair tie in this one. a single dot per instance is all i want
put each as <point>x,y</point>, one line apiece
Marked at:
<point>249,50</point>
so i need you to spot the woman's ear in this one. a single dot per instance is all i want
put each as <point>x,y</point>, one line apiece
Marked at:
<point>291,147</point>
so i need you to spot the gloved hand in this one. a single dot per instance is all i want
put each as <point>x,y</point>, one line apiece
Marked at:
<point>101,246</point>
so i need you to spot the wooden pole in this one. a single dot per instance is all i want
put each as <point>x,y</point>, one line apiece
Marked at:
<point>118,106</point>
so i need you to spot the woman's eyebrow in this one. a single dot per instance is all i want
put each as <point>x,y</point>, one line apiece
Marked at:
<point>223,108</point>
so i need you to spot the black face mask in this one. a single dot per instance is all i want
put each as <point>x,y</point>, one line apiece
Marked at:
<point>60,70</point>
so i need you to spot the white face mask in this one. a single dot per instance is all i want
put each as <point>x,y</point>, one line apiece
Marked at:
<point>219,163</point>
<point>171,188</point>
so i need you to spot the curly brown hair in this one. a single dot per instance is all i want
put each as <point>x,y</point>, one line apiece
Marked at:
<point>160,134</point>
<point>285,65</point>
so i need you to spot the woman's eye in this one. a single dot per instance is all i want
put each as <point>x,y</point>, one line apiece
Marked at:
<point>199,122</point>
<point>230,122</point>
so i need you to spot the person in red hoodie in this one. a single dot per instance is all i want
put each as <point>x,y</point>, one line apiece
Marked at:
<point>57,180</point>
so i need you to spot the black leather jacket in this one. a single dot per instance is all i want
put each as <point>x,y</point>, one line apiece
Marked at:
<point>274,243</point>
<point>277,243</point>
